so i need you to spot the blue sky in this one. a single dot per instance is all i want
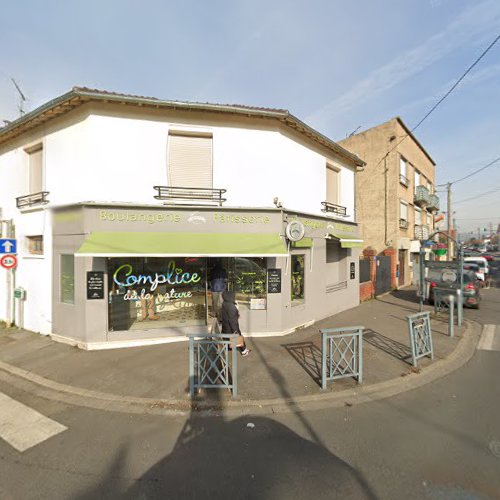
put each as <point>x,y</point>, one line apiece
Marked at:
<point>337,65</point>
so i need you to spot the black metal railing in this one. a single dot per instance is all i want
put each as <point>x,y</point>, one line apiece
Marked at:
<point>190,194</point>
<point>404,180</point>
<point>335,209</point>
<point>32,200</point>
<point>403,223</point>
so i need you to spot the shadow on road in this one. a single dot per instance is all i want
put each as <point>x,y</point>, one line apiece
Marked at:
<point>308,356</point>
<point>392,347</point>
<point>245,457</point>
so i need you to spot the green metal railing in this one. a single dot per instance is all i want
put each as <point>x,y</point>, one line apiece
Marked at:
<point>212,362</point>
<point>341,353</point>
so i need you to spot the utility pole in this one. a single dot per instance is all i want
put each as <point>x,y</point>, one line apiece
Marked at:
<point>449,220</point>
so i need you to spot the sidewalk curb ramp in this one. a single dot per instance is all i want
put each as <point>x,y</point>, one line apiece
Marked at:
<point>56,391</point>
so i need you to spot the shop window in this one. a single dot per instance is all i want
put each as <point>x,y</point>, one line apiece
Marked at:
<point>151,292</point>
<point>297,277</point>
<point>247,277</point>
<point>35,245</point>
<point>190,160</point>
<point>35,172</point>
<point>67,282</point>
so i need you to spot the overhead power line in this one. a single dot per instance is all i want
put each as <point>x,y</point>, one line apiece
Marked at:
<point>467,71</point>
<point>453,87</point>
<point>473,173</point>
<point>479,195</point>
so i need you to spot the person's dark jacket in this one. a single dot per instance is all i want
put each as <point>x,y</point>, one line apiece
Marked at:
<point>229,313</point>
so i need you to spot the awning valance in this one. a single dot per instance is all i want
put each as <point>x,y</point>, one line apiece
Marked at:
<point>153,244</point>
<point>350,243</point>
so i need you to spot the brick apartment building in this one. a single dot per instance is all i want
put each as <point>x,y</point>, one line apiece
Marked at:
<point>395,195</point>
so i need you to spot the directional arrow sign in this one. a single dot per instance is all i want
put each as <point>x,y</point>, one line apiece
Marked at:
<point>8,246</point>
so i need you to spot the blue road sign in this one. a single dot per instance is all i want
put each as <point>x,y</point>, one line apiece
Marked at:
<point>8,246</point>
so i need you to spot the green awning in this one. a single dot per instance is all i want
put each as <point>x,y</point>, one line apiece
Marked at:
<point>118,244</point>
<point>350,243</point>
<point>303,243</point>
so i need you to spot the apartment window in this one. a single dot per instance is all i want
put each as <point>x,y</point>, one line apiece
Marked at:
<point>332,185</point>
<point>35,244</point>
<point>190,160</point>
<point>403,172</point>
<point>403,215</point>
<point>416,179</point>
<point>35,169</point>
<point>418,217</point>
<point>67,280</point>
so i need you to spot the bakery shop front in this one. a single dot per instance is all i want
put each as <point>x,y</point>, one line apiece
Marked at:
<point>134,275</point>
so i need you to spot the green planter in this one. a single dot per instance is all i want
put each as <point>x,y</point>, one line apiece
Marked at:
<point>440,251</point>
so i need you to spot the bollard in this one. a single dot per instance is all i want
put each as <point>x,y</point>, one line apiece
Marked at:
<point>451,325</point>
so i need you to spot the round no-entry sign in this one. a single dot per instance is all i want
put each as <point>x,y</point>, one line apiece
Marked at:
<point>8,261</point>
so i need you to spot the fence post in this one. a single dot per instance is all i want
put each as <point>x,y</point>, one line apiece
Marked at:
<point>451,324</point>
<point>191,366</point>
<point>323,361</point>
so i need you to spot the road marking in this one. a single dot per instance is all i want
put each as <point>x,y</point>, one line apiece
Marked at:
<point>489,341</point>
<point>22,427</point>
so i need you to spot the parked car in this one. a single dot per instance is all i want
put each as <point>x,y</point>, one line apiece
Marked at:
<point>481,262</point>
<point>472,266</point>
<point>488,257</point>
<point>471,293</point>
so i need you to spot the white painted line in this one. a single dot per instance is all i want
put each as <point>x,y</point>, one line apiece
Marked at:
<point>487,338</point>
<point>22,427</point>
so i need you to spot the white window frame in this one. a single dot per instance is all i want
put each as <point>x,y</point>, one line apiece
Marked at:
<point>418,211</point>
<point>335,174</point>
<point>35,168</point>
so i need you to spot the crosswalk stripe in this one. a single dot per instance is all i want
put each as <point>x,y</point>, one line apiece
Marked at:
<point>22,427</point>
<point>488,341</point>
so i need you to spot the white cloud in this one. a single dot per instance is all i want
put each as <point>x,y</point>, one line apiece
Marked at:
<point>470,25</point>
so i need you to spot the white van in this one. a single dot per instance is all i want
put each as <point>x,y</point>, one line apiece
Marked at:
<point>481,262</point>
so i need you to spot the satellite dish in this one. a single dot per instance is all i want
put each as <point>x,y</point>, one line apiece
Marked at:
<point>295,230</point>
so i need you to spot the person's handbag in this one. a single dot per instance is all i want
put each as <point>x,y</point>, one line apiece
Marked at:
<point>238,341</point>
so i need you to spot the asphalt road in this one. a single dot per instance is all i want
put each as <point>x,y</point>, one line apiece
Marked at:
<point>440,441</point>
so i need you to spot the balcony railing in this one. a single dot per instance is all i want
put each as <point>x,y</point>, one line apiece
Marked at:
<point>433,203</point>
<point>404,180</point>
<point>32,200</point>
<point>422,232</point>
<point>421,196</point>
<point>192,194</point>
<point>403,223</point>
<point>334,209</point>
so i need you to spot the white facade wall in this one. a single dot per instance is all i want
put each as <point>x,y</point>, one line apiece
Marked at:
<point>115,159</point>
<point>121,159</point>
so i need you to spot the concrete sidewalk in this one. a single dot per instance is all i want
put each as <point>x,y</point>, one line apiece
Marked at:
<point>279,368</point>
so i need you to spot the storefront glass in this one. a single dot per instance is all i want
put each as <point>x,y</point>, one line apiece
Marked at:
<point>153,293</point>
<point>297,277</point>
<point>146,293</point>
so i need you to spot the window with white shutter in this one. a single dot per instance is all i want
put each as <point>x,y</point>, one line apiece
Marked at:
<point>190,160</point>
<point>35,174</point>
<point>332,185</point>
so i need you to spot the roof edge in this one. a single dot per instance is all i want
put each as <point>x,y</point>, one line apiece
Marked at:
<point>84,94</point>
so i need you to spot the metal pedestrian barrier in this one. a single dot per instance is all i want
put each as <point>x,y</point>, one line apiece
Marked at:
<point>212,362</point>
<point>419,326</point>
<point>341,353</point>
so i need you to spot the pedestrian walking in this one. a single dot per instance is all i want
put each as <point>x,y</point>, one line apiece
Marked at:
<point>230,321</point>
